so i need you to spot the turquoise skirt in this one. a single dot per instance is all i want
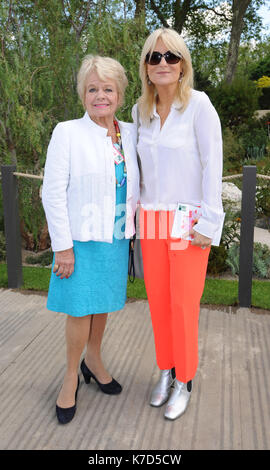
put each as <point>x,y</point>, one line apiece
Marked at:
<point>99,281</point>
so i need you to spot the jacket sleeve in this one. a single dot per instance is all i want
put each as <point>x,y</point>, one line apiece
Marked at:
<point>54,190</point>
<point>209,140</point>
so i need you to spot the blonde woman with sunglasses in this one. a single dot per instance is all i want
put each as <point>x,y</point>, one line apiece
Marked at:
<point>180,151</point>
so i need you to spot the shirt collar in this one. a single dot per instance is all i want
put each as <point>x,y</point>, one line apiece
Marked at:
<point>89,122</point>
<point>176,105</point>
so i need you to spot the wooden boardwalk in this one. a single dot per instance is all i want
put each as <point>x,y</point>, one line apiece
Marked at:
<point>229,407</point>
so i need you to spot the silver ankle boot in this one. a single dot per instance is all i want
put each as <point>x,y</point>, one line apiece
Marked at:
<point>179,400</point>
<point>161,392</point>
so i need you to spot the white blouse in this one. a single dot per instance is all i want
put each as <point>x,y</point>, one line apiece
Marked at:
<point>182,161</point>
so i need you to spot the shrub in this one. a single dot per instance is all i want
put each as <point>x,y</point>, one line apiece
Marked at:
<point>233,151</point>
<point>33,222</point>
<point>261,260</point>
<point>1,212</point>
<point>2,247</point>
<point>264,99</point>
<point>264,84</point>
<point>246,142</point>
<point>236,102</point>
<point>217,260</point>
<point>253,137</point>
<point>231,228</point>
<point>263,202</point>
<point>45,259</point>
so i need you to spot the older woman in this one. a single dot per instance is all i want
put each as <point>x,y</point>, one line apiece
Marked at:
<point>90,192</point>
<point>180,148</point>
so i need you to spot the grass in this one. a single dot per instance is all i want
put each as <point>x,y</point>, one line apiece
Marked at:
<point>34,278</point>
<point>216,291</point>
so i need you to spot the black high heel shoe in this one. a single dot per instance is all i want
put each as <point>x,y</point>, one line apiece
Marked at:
<point>112,388</point>
<point>65,415</point>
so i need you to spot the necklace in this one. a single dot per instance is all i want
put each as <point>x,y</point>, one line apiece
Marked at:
<point>119,156</point>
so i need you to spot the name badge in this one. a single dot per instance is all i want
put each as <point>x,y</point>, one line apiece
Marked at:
<point>118,157</point>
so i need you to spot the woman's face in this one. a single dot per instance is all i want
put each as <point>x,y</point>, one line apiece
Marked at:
<point>163,74</point>
<point>101,97</point>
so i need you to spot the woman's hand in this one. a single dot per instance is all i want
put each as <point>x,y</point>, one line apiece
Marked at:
<point>64,263</point>
<point>200,240</point>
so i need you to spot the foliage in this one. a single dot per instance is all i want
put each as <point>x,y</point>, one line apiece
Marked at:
<point>263,201</point>
<point>235,102</point>
<point>233,151</point>
<point>254,62</point>
<point>261,260</point>
<point>110,38</point>
<point>231,228</point>
<point>33,229</point>
<point>1,212</point>
<point>253,137</point>
<point>217,260</point>
<point>260,66</point>
<point>233,258</point>
<point>44,259</point>
<point>264,99</point>
<point>43,42</point>
<point>263,82</point>
<point>38,73</point>
<point>2,247</point>
<point>2,236</point>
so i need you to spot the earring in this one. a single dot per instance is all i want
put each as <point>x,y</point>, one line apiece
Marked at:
<point>148,80</point>
<point>181,77</point>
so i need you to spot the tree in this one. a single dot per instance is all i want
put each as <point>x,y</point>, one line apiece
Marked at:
<point>235,17</point>
<point>43,41</point>
<point>176,11</point>
<point>77,15</point>
<point>239,8</point>
<point>140,8</point>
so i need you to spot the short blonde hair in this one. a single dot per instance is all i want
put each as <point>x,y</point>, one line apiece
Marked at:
<point>175,44</point>
<point>106,68</point>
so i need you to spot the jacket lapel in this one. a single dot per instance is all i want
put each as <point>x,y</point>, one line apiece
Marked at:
<point>125,136</point>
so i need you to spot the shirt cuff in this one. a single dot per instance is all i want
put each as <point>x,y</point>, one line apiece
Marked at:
<point>61,246</point>
<point>206,228</point>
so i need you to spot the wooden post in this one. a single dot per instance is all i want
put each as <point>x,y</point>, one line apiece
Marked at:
<point>247,236</point>
<point>12,226</point>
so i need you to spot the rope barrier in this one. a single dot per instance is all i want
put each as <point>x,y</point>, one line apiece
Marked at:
<point>266,177</point>
<point>231,177</point>
<point>26,175</point>
<point>225,178</point>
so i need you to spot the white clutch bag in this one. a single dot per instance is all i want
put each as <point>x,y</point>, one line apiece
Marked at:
<point>186,217</point>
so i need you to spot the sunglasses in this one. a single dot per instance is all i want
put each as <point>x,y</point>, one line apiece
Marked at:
<point>156,57</point>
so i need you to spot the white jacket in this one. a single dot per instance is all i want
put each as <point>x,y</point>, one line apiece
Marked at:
<point>79,187</point>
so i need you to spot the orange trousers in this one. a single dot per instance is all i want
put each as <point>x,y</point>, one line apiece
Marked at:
<point>174,275</point>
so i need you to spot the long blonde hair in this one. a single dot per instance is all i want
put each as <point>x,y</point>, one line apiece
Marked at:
<point>175,44</point>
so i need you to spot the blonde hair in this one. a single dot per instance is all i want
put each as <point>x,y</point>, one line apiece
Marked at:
<point>106,68</point>
<point>175,44</point>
